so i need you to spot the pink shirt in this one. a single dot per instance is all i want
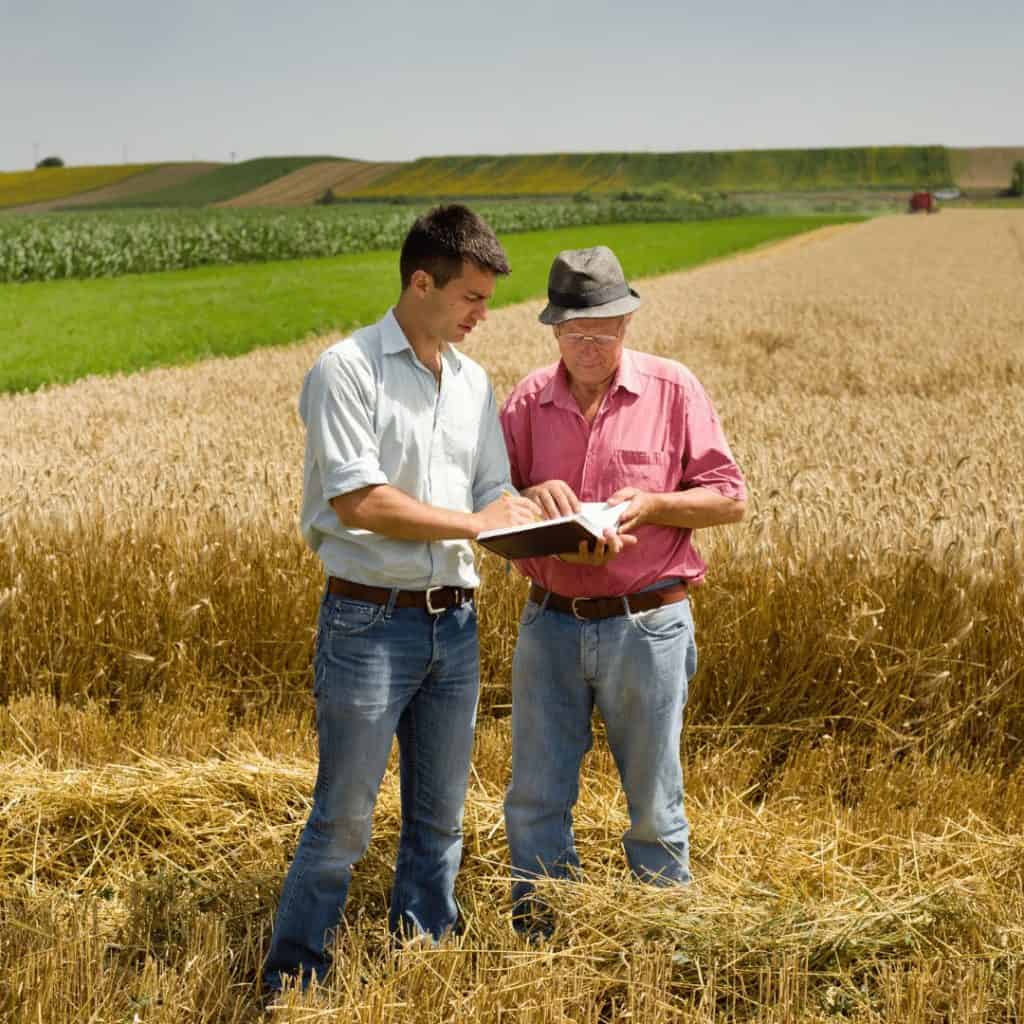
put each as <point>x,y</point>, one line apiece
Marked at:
<point>656,430</point>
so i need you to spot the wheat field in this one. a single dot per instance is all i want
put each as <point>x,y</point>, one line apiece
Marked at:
<point>855,779</point>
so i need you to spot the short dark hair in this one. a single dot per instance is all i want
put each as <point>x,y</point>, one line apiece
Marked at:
<point>441,240</point>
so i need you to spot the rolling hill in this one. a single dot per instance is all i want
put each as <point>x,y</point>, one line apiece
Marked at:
<point>225,182</point>
<point>21,188</point>
<point>309,183</point>
<point>161,177</point>
<point>747,170</point>
<point>987,167</point>
<point>300,180</point>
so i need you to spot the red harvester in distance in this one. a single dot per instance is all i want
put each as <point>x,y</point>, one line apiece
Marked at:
<point>922,202</point>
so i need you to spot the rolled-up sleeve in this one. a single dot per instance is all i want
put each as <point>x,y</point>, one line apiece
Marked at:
<point>492,469</point>
<point>707,459</point>
<point>336,406</point>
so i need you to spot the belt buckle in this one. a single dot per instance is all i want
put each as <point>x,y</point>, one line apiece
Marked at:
<point>430,607</point>
<point>582,618</point>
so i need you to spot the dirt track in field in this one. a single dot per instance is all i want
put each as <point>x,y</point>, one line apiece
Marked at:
<point>140,184</point>
<point>302,187</point>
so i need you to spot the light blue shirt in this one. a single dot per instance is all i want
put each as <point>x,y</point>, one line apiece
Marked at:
<point>374,414</point>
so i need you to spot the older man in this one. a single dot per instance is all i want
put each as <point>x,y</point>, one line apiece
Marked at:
<point>612,625</point>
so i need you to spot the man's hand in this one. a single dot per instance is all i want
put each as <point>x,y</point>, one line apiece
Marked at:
<point>604,551</point>
<point>554,497</point>
<point>692,509</point>
<point>508,510</point>
<point>642,508</point>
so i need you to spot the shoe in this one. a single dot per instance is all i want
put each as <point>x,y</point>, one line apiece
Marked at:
<point>533,921</point>
<point>267,1000</point>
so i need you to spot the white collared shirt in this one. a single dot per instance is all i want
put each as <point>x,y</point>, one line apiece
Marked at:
<point>374,415</point>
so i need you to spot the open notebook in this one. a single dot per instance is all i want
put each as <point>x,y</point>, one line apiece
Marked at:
<point>559,536</point>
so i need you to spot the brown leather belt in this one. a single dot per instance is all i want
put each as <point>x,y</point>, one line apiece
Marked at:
<point>606,607</point>
<point>434,600</point>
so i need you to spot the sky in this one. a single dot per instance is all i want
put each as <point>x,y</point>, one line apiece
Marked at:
<point>112,81</point>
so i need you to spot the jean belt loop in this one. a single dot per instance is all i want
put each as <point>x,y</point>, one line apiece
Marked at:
<point>544,602</point>
<point>625,607</point>
<point>392,598</point>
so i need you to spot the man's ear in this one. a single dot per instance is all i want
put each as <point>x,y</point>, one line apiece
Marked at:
<point>421,282</point>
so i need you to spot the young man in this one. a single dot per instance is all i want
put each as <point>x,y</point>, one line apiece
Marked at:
<point>404,464</point>
<point>610,626</point>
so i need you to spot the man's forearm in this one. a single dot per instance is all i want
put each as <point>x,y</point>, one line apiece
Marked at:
<point>392,513</point>
<point>695,508</point>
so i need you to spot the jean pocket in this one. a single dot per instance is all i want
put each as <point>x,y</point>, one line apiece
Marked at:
<point>663,623</point>
<point>341,616</point>
<point>531,612</point>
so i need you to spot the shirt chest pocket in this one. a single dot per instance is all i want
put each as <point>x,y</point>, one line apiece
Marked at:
<point>461,438</point>
<point>649,471</point>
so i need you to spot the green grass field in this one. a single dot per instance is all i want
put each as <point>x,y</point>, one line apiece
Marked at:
<point>57,331</point>
<point>224,183</point>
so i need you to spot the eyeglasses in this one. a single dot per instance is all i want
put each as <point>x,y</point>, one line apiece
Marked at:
<point>598,339</point>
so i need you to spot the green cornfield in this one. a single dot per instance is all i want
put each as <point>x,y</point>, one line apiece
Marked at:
<point>89,244</point>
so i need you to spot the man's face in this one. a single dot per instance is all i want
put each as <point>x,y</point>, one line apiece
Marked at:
<point>457,308</point>
<point>591,347</point>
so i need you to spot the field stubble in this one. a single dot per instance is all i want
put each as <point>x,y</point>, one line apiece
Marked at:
<point>855,776</point>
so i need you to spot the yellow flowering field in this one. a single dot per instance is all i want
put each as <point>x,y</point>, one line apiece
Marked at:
<point>19,188</point>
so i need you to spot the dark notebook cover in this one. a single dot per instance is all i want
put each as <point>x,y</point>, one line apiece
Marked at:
<point>559,537</point>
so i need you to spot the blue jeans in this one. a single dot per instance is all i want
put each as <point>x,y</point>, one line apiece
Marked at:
<point>635,668</point>
<point>382,671</point>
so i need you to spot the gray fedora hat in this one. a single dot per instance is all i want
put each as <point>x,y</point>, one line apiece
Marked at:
<point>586,283</point>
